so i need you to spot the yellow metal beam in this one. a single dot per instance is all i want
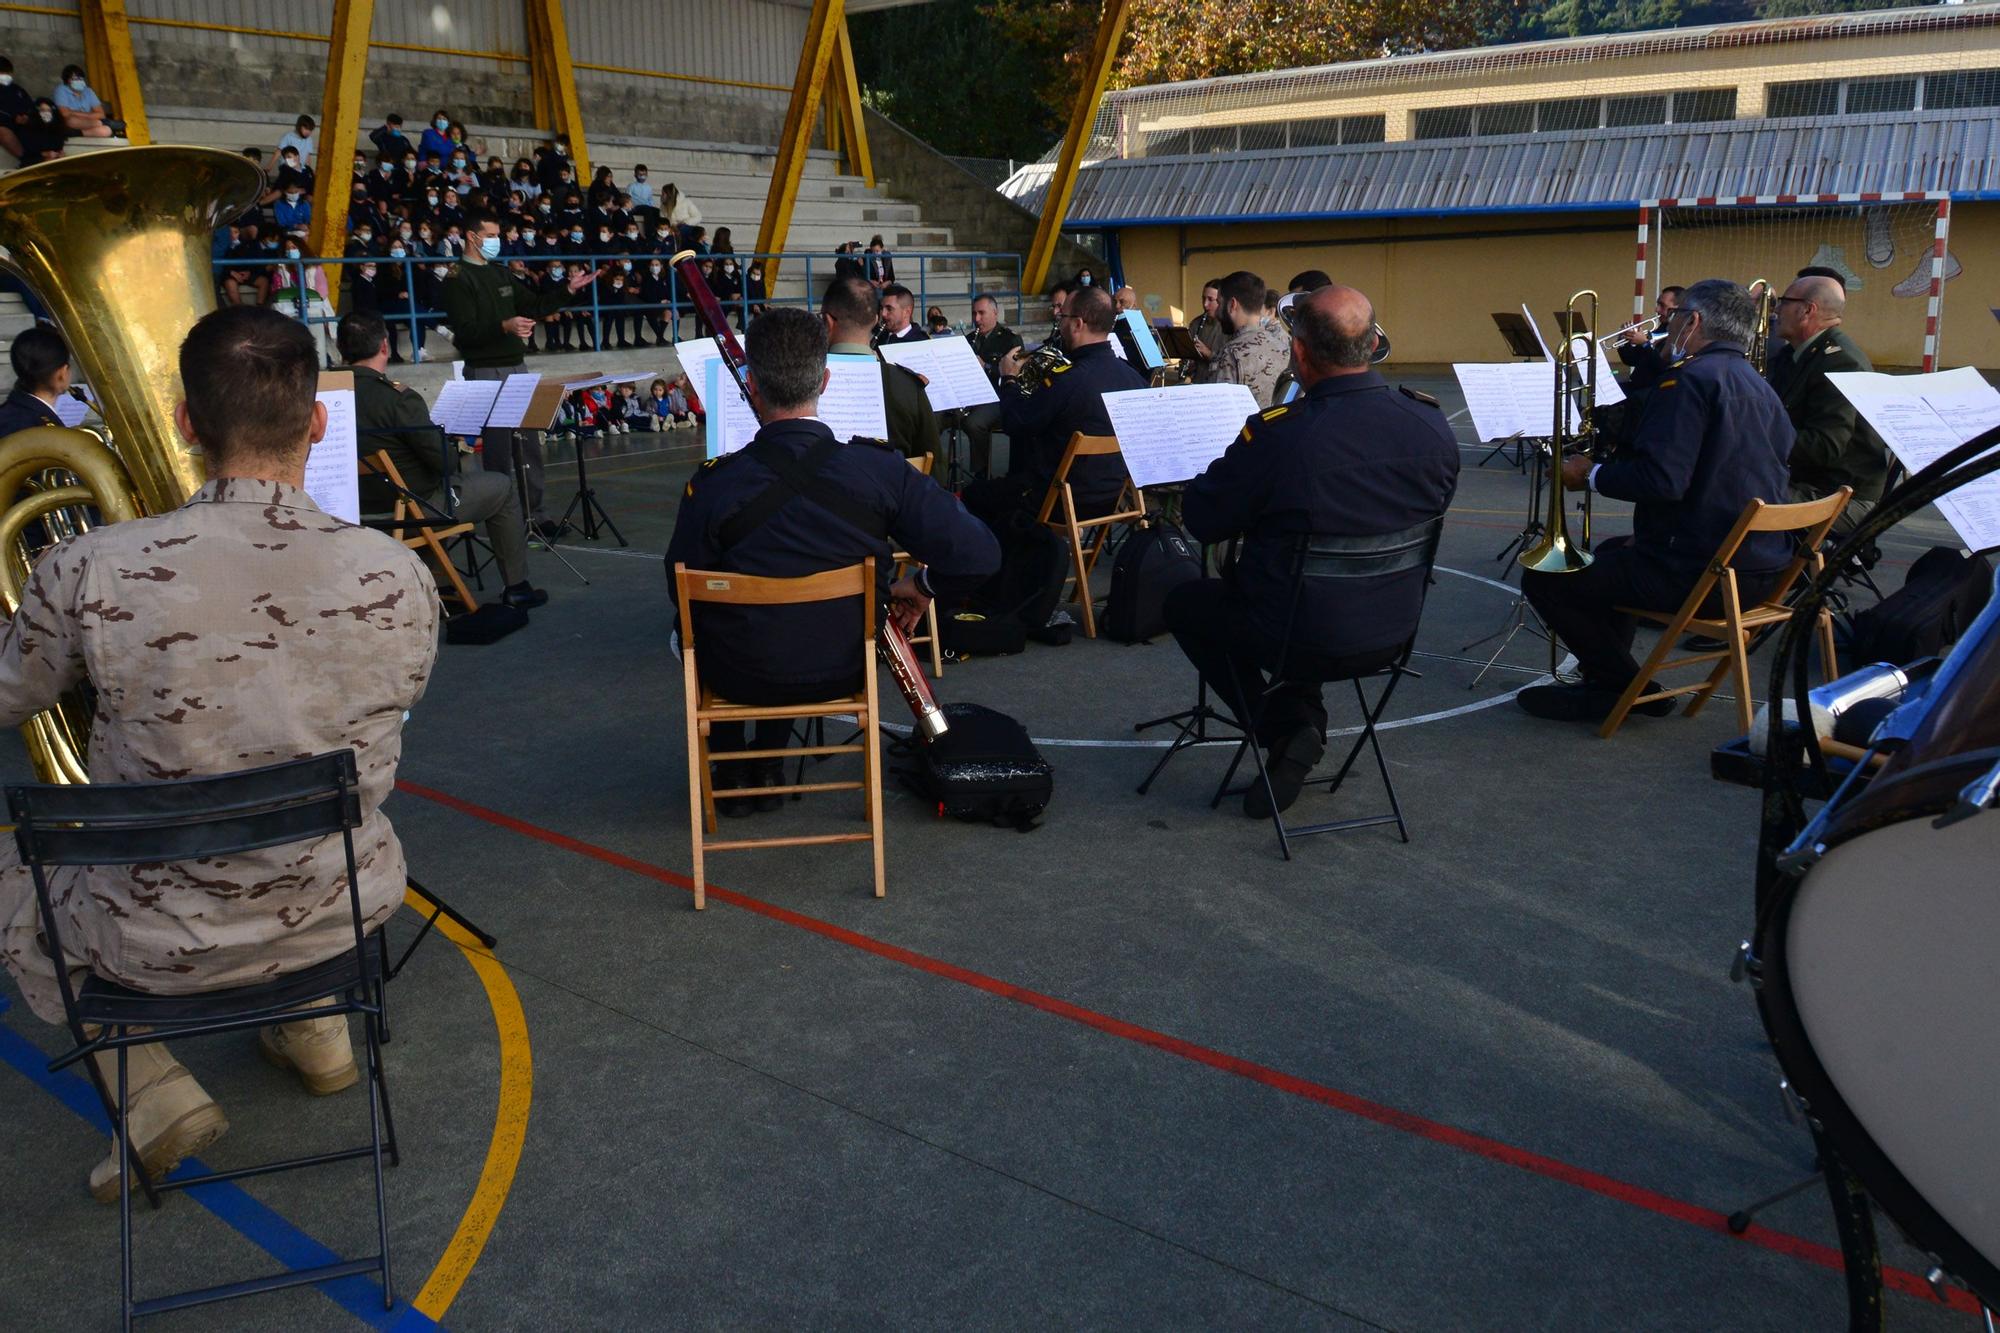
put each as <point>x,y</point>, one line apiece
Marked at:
<point>1062,184</point>
<point>107,54</point>
<point>815,58</point>
<point>554,78</point>
<point>848,88</point>
<point>339,128</point>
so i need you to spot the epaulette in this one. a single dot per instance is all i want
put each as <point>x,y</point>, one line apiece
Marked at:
<point>399,386</point>
<point>870,439</point>
<point>1273,413</point>
<point>1062,369</point>
<point>1418,395</point>
<point>1666,384</point>
<point>706,464</point>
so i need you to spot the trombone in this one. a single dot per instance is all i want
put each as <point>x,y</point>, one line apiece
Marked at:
<point>1571,431</point>
<point>1760,342</point>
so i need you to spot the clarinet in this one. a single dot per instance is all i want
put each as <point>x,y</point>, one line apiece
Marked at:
<point>890,642</point>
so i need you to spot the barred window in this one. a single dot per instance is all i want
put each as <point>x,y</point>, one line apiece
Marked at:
<point>1645,110</point>
<point>1568,113</point>
<point>1442,122</point>
<point>1702,104</point>
<point>1505,118</point>
<point>1973,87</point>
<point>1814,97</point>
<point>1869,96</point>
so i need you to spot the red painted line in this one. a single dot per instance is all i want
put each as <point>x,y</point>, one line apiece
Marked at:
<point>1551,1168</point>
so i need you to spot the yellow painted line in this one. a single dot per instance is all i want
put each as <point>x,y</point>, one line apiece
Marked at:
<point>510,1122</point>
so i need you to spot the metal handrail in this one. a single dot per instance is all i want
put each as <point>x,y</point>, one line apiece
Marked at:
<point>674,308</point>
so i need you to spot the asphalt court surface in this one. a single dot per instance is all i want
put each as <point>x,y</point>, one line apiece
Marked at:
<point>1130,1069</point>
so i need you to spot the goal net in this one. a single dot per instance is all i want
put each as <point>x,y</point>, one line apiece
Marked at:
<point>1890,254</point>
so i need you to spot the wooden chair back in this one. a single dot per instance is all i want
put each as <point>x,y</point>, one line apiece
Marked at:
<point>429,538</point>
<point>1087,536</point>
<point>1812,520</point>
<point>703,708</point>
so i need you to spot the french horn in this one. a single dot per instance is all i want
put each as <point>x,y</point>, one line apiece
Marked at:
<point>117,244</point>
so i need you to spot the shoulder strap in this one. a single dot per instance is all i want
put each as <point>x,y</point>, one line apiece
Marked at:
<point>797,478</point>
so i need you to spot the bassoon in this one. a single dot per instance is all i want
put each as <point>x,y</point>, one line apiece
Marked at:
<point>890,641</point>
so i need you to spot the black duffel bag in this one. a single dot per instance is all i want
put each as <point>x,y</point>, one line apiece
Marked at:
<point>984,769</point>
<point>1155,558</point>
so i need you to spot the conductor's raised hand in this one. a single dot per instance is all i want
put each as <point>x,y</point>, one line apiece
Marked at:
<point>582,280</point>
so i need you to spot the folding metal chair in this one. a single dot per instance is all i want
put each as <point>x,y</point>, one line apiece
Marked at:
<point>1329,557</point>
<point>125,823</point>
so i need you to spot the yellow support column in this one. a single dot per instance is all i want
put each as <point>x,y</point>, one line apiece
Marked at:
<point>848,93</point>
<point>339,130</point>
<point>815,58</point>
<point>554,78</point>
<point>107,54</point>
<point>1062,184</point>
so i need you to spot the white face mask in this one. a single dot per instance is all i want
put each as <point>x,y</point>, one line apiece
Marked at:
<point>654,270</point>
<point>6,80</point>
<point>603,235</point>
<point>291,196</point>
<point>632,235</point>
<point>291,161</point>
<point>431,199</point>
<point>368,271</point>
<point>48,116</point>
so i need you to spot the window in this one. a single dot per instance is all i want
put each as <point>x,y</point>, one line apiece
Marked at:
<point>1166,143</point>
<point>1704,104</point>
<point>1623,111</point>
<point>1442,122</point>
<point>1819,97</point>
<point>1218,140</point>
<point>1363,129</point>
<point>1867,96</point>
<point>1974,87</point>
<point>1569,113</point>
<point>1263,136</point>
<point>1505,118</point>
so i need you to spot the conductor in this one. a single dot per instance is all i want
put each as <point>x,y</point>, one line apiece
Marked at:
<point>1350,457</point>
<point>796,501</point>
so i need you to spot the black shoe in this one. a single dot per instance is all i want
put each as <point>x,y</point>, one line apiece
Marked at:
<point>395,358</point>
<point>767,773</point>
<point>728,777</point>
<point>1288,764</point>
<point>524,595</point>
<point>1701,643</point>
<point>1583,703</point>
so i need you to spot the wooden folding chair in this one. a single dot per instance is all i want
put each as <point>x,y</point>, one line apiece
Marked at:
<point>1736,625</point>
<point>1129,507</point>
<point>428,538</point>
<point>923,463</point>
<point>704,708</point>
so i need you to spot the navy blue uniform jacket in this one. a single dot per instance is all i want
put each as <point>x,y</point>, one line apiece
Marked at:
<point>817,642</point>
<point>1713,438</point>
<point>23,410</point>
<point>1069,400</point>
<point>1352,458</point>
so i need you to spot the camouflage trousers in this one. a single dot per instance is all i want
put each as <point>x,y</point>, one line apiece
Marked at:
<point>22,947</point>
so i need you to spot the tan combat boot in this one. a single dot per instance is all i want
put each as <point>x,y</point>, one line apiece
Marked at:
<point>168,1115</point>
<point>317,1048</point>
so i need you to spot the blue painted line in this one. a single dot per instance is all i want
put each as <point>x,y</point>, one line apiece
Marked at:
<point>260,1225</point>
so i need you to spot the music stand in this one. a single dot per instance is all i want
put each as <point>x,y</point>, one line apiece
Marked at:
<point>593,512</point>
<point>542,406</point>
<point>1178,343</point>
<point>1520,338</point>
<point>1569,324</point>
<point>1520,615</point>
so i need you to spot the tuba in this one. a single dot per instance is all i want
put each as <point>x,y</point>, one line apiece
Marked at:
<point>117,245</point>
<point>1575,397</point>
<point>1760,341</point>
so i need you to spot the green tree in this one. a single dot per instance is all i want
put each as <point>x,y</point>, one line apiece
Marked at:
<point>948,74</point>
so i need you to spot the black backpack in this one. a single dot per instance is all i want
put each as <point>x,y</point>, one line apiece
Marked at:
<point>1154,559</point>
<point>1943,593</point>
<point>984,769</point>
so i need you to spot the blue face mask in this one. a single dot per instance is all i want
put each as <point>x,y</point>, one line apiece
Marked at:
<point>442,123</point>
<point>489,246</point>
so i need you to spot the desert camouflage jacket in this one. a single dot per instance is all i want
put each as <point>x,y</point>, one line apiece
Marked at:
<point>246,628</point>
<point>1255,357</point>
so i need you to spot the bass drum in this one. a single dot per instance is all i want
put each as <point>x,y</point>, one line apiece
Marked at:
<point>1881,994</point>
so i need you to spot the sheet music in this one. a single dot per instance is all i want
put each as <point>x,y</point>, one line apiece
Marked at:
<point>462,406</point>
<point>1529,315</point>
<point>852,404</point>
<point>694,355</point>
<point>731,423</point>
<point>956,379</point>
<point>71,410</point>
<point>510,406</point>
<point>1174,433</point>
<point>1923,417</point>
<point>1150,356</point>
<point>1510,398</point>
<point>332,468</point>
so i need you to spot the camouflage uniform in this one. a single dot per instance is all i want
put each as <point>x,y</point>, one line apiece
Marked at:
<point>1256,356</point>
<point>245,628</point>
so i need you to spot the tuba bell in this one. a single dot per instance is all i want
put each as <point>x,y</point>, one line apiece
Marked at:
<point>1038,363</point>
<point>117,245</point>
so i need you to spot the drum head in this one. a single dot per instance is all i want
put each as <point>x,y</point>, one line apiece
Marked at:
<point>1889,956</point>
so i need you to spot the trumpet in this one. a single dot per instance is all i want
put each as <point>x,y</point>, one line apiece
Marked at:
<point>1760,342</point>
<point>1651,326</point>
<point>891,644</point>
<point>1575,397</point>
